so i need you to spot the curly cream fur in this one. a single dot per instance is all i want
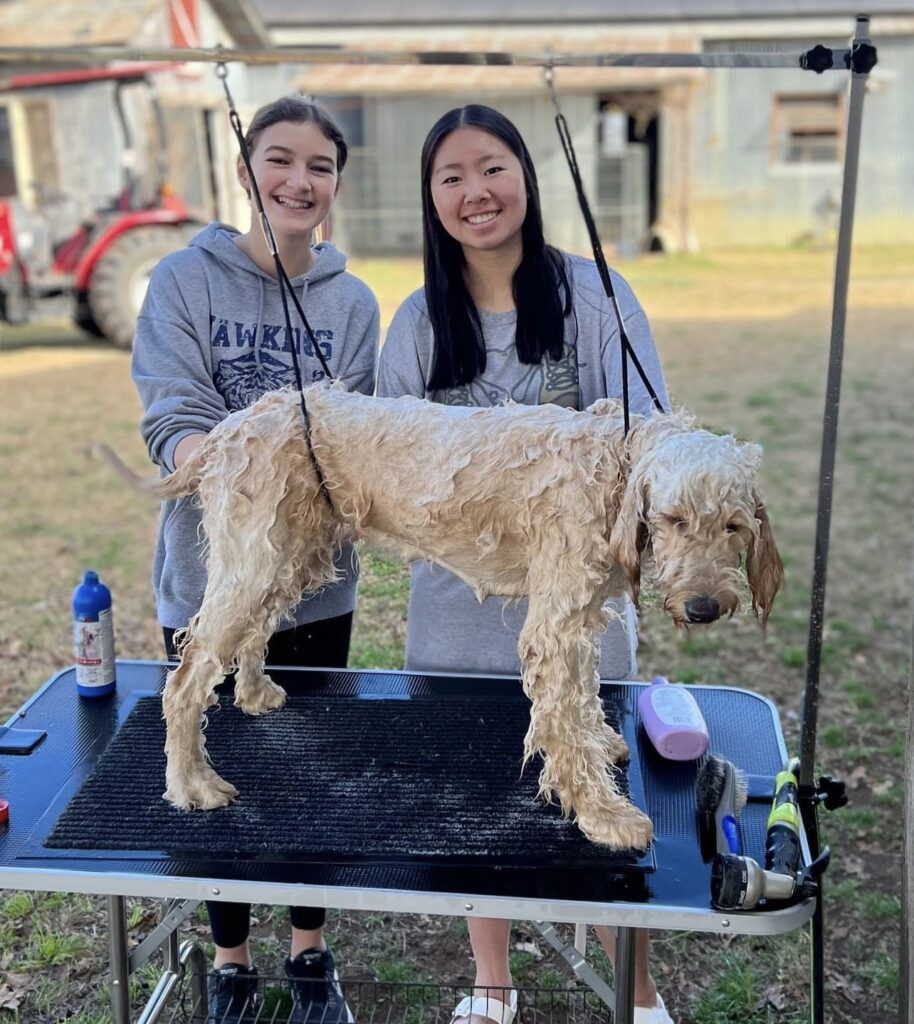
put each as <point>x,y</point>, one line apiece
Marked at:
<point>516,500</point>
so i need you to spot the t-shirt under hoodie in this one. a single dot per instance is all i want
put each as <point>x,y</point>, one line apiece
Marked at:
<point>211,339</point>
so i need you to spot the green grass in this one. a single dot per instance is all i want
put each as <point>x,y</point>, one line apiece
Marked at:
<point>859,818</point>
<point>860,694</point>
<point>398,972</point>
<point>762,400</point>
<point>19,906</point>
<point>735,998</point>
<point>698,644</point>
<point>793,656</point>
<point>879,907</point>
<point>882,972</point>
<point>49,949</point>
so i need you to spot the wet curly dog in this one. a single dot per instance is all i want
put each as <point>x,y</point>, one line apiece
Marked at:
<point>543,502</point>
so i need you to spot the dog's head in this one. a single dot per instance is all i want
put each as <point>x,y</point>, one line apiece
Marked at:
<point>694,501</point>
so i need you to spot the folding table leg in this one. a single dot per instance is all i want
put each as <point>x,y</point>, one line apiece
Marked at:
<point>119,959</point>
<point>625,976</point>
<point>588,975</point>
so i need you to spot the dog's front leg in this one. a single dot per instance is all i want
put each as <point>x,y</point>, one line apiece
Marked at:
<point>567,724</point>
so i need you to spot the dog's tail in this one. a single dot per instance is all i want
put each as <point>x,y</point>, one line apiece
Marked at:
<point>184,480</point>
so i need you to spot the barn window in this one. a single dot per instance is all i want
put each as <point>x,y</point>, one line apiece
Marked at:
<point>807,129</point>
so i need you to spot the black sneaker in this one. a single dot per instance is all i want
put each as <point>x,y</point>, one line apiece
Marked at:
<point>232,995</point>
<point>316,994</point>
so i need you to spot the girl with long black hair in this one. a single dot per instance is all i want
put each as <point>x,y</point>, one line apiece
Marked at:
<point>505,317</point>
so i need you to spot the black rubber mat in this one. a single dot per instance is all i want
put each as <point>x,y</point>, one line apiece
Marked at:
<point>339,779</point>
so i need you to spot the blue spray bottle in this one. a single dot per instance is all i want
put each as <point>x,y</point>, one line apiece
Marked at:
<point>93,637</point>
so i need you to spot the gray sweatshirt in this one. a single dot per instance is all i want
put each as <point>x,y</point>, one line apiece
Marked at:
<point>211,339</point>
<point>448,630</point>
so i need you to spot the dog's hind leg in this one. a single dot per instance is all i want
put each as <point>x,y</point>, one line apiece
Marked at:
<point>189,690</point>
<point>567,724</point>
<point>212,644</point>
<point>249,588</point>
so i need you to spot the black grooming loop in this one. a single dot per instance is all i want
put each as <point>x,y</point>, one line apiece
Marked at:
<point>625,345</point>
<point>285,285</point>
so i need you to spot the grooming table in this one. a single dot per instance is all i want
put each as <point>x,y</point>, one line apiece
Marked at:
<point>383,791</point>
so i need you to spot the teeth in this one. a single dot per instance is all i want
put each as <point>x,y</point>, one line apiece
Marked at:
<point>293,204</point>
<point>482,218</point>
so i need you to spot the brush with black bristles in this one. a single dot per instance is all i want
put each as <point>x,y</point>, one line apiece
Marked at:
<point>721,793</point>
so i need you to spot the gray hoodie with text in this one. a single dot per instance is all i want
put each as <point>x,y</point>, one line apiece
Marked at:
<point>211,339</point>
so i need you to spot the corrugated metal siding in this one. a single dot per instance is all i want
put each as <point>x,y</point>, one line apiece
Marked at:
<point>380,206</point>
<point>741,194</point>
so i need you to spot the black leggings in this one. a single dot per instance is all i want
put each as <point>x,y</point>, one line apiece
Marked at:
<point>324,644</point>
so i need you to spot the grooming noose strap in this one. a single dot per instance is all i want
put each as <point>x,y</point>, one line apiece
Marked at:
<point>625,345</point>
<point>285,285</point>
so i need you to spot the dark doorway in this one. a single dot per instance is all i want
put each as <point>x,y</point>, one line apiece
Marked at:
<point>634,116</point>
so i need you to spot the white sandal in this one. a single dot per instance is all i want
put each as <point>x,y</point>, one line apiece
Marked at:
<point>656,1014</point>
<point>488,1007</point>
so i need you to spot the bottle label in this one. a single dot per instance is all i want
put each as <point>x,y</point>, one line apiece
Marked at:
<point>675,707</point>
<point>93,650</point>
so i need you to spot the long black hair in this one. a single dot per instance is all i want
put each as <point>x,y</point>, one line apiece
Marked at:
<point>542,294</point>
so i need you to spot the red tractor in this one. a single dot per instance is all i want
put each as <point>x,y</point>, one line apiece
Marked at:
<point>98,270</point>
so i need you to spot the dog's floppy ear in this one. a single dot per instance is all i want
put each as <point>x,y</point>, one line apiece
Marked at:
<point>629,535</point>
<point>764,568</point>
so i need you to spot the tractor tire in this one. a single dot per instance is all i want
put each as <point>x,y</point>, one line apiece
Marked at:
<point>14,299</point>
<point>120,279</point>
<point>83,317</point>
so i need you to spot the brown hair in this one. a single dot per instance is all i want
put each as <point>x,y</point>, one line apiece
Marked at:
<point>297,110</point>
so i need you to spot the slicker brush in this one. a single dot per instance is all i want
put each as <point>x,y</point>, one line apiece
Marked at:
<point>721,793</point>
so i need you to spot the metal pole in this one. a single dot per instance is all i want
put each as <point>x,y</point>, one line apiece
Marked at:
<point>118,957</point>
<point>624,972</point>
<point>830,426</point>
<point>99,56</point>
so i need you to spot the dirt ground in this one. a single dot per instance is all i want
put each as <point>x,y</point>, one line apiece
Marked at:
<point>744,345</point>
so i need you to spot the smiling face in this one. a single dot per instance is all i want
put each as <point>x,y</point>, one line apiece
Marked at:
<point>296,170</point>
<point>478,190</point>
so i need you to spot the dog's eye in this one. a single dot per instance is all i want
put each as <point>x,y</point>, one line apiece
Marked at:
<point>681,525</point>
<point>732,527</point>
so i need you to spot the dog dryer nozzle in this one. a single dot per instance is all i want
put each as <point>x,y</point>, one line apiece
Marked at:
<point>738,883</point>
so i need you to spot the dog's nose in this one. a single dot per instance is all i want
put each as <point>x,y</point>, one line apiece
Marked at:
<point>702,609</point>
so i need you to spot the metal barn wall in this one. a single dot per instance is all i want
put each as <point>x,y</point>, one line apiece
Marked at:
<point>380,205</point>
<point>885,191</point>
<point>741,195</point>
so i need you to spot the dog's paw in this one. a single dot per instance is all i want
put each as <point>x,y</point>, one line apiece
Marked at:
<point>621,828</point>
<point>616,747</point>
<point>204,790</point>
<point>259,699</point>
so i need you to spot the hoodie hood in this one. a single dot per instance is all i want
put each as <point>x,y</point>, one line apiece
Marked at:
<point>219,240</point>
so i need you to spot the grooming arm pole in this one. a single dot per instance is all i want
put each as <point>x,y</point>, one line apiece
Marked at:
<point>830,425</point>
